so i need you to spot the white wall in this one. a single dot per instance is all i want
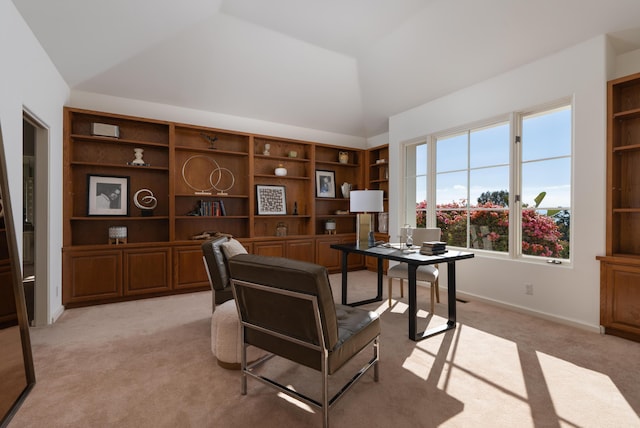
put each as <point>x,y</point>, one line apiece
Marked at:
<point>626,64</point>
<point>29,80</point>
<point>569,293</point>
<point>106,103</point>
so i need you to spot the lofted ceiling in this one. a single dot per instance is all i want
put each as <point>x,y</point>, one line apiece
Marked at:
<point>342,66</point>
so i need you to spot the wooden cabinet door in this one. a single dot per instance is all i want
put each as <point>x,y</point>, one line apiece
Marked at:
<point>620,300</point>
<point>331,258</point>
<point>147,271</point>
<point>270,248</point>
<point>188,268</point>
<point>91,275</point>
<point>301,249</point>
<point>327,256</point>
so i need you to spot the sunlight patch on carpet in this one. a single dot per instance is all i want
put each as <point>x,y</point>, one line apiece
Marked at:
<point>399,308</point>
<point>298,403</point>
<point>570,397</point>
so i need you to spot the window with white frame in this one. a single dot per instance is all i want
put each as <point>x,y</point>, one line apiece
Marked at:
<point>462,182</point>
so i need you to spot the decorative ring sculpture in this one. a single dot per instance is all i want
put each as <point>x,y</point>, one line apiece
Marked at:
<point>206,191</point>
<point>219,171</point>
<point>213,180</point>
<point>148,202</point>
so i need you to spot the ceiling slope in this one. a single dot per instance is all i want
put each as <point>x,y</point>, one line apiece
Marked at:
<point>341,66</point>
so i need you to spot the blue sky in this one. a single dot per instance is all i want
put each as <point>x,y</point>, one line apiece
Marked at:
<point>545,139</point>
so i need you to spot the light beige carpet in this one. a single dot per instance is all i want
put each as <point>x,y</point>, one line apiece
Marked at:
<point>148,364</point>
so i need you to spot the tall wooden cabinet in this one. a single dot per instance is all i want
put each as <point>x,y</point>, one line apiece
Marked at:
<point>204,180</point>
<point>620,268</point>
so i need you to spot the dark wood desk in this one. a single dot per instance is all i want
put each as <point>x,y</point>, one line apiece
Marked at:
<point>413,260</point>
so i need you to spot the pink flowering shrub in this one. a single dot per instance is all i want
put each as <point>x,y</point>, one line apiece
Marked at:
<point>540,235</point>
<point>489,228</point>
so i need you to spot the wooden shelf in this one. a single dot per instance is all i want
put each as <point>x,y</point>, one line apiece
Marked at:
<point>630,147</point>
<point>281,158</point>
<point>281,177</point>
<point>211,152</point>
<point>627,114</point>
<point>113,165</point>
<point>626,210</point>
<point>120,218</point>
<point>118,141</point>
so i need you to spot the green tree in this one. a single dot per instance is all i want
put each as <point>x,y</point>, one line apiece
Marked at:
<point>500,198</point>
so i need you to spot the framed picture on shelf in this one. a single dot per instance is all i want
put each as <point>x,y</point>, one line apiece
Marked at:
<point>325,184</point>
<point>272,200</point>
<point>107,195</point>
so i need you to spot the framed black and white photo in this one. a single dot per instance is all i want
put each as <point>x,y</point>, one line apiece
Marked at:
<point>107,195</point>
<point>325,184</point>
<point>272,200</point>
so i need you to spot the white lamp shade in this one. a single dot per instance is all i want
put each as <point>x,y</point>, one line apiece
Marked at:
<point>363,201</point>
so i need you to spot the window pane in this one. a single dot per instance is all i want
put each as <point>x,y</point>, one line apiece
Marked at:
<point>420,202</point>
<point>547,135</point>
<point>553,177</point>
<point>489,230</point>
<point>452,153</point>
<point>541,235</point>
<point>451,187</point>
<point>489,183</point>
<point>453,224</point>
<point>421,159</point>
<point>489,146</point>
<point>546,183</point>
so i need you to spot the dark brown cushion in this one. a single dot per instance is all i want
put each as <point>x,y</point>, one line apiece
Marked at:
<point>346,330</point>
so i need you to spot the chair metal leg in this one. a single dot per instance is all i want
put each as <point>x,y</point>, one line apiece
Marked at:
<point>433,302</point>
<point>390,290</point>
<point>437,286</point>
<point>325,390</point>
<point>243,364</point>
<point>401,287</point>
<point>376,355</point>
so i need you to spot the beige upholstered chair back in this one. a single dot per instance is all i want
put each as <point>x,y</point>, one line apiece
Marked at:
<point>422,234</point>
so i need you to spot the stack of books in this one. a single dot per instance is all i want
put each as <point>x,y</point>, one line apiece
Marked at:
<point>433,248</point>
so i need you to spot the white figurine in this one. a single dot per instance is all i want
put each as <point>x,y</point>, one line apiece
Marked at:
<point>267,147</point>
<point>138,160</point>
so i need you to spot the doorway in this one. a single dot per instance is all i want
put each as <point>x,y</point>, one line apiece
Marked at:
<point>35,206</point>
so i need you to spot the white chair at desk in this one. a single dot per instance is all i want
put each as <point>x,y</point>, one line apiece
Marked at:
<point>427,273</point>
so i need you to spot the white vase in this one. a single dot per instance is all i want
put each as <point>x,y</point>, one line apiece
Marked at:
<point>281,171</point>
<point>345,189</point>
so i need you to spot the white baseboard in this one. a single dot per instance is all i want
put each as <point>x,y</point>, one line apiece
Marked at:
<point>550,317</point>
<point>57,314</point>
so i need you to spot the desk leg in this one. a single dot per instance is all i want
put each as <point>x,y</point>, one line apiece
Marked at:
<point>451,293</point>
<point>380,273</point>
<point>451,301</point>
<point>378,297</point>
<point>344,277</point>
<point>413,305</point>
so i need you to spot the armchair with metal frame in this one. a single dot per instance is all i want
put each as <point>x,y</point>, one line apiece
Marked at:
<point>286,307</point>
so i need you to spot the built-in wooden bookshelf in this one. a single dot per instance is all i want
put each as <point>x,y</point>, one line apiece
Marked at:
<point>189,169</point>
<point>620,268</point>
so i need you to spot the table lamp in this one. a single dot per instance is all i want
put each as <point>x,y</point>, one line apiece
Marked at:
<point>365,202</point>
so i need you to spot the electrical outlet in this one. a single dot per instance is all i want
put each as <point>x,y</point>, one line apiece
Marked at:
<point>528,289</point>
